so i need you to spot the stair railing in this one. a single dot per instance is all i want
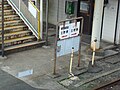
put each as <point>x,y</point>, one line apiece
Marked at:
<point>32,21</point>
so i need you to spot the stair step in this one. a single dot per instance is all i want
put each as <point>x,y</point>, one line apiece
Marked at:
<point>15,33</point>
<point>23,45</point>
<point>12,23</point>
<point>18,39</point>
<point>13,27</point>
<point>10,17</point>
<point>5,2</point>
<point>8,12</point>
<point>6,7</point>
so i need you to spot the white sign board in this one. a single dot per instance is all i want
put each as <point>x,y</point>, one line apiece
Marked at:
<point>64,32</point>
<point>32,9</point>
<point>65,46</point>
<point>74,29</point>
<point>69,30</point>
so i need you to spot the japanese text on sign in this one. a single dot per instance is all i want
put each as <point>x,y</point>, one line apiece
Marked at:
<point>69,30</point>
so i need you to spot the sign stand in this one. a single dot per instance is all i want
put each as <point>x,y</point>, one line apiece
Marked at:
<point>68,33</point>
<point>93,67</point>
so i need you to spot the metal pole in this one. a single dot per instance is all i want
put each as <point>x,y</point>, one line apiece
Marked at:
<point>117,17</point>
<point>41,19</point>
<point>94,48</point>
<point>79,55</point>
<point>47,10</point>
<point>55,56</point>
<point>58,12</point>
<point>71,62</point>
<point>2,28</point>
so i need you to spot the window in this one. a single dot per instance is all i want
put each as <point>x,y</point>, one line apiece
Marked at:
<point>84,6</point>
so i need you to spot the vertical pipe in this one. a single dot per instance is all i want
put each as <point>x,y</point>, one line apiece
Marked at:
<point>58,12</point>
<point>81,32</point>
<point>47,6</point>
<point>93,56</point>
<point>41,18</point>
<point>102,22</point>
<point>38,25</point>
<point>55,52</point>
<point>71,62</point>
<point>78,8</point>
<point>97,19</point>
<point>116,23</point>
<point>2,28</point>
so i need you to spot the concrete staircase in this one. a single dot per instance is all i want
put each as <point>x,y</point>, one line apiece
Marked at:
<point>17,36</point>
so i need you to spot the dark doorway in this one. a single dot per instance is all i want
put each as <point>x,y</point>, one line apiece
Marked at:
<point>86,9</point>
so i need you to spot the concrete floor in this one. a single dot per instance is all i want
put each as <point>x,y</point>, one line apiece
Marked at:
<point>41,61</point>
<point>8,82</point>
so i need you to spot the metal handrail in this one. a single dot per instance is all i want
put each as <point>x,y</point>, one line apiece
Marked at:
<point>32,28</point>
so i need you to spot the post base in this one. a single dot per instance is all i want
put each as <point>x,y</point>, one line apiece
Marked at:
<point>3,58</point>
<point>94,68</point>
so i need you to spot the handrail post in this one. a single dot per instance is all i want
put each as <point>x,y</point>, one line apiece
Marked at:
<point>41,17</point>
<point>2,28</point>
<point>38,25</point>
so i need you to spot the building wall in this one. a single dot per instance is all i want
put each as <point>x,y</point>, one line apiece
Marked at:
<point>109,21</point>
<point>53,10</point>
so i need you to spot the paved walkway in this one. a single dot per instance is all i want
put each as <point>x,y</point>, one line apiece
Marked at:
<point>8,82</point>
<point>41,61</point>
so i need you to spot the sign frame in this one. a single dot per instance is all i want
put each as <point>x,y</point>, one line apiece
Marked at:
<point>56,38</point>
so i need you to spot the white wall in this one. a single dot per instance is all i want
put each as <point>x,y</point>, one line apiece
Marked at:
<point>109,21</point>
<point>53,10</point>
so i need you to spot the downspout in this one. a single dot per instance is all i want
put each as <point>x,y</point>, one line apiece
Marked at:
<point>116,23</point>
<point>58,12</point>
<point>78,8</point>
<point>47,17</point>
<point>102,22</point>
